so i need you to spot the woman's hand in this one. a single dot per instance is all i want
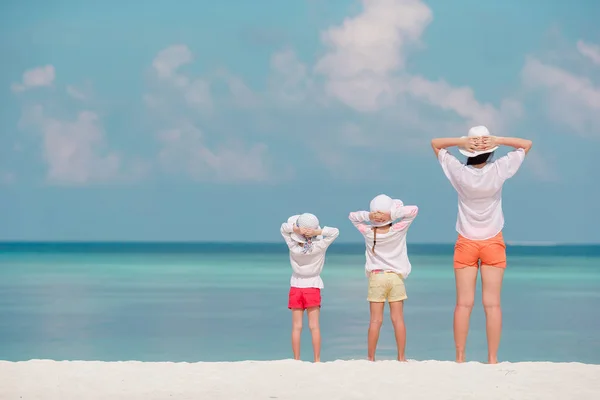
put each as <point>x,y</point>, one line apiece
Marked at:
<point>473,144</point>
<point>489,142</point>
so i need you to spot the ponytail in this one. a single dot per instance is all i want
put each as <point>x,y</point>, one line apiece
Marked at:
<point>374,239</point>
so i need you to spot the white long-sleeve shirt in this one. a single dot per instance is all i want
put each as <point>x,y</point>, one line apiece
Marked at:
<point>307,267</point>
<point>390,249</point>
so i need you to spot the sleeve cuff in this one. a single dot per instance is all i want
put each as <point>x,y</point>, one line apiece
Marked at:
<point>441,154</point>
<point>328,231</point>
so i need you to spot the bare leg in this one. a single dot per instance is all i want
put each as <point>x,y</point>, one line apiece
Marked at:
<point>397,316</point>
<point>374,328</point>
<point>491,284</point>
<point>466,281</point>
<point>315,331</point>
<point>297,315</point>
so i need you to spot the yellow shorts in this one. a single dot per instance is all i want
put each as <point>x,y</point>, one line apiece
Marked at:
<point>386,286</point>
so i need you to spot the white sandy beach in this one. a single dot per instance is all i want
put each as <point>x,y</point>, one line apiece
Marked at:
<point>287,379</point>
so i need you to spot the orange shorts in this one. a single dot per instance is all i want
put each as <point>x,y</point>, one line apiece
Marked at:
<point>468,253</point>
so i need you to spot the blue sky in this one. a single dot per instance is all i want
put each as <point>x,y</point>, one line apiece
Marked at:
<point>218,120</point>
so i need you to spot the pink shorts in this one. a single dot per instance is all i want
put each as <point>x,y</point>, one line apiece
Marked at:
<point>303,298</point>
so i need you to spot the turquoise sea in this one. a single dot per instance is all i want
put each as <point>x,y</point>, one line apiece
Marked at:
<point>228,302</point>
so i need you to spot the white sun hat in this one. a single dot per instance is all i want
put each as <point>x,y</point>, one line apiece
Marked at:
<point>477,131</point>
<point>306,220</point>
<point>383,203</point>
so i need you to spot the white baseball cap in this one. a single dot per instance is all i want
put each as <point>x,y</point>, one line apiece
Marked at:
<point>305,220</point>
<point>477,131</point>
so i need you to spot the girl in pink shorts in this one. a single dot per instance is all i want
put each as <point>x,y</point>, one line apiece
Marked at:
<point>308,244</point>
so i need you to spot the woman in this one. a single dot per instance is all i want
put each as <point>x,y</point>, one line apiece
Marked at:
<point>384,229</point>
<point>479,226</point>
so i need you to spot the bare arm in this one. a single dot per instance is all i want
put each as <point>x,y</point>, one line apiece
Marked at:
<point>444,143</point>
<point>473,143</point>
<point>517,143</point>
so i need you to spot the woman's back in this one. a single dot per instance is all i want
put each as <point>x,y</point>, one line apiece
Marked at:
<point>479,191</point>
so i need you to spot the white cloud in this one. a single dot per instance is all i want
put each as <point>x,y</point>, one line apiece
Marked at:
<point>166,65</point>
<point>462,102</point>
<point>591,51</point>
<point>374,41</point>
<point>184,145</point>
<point>184,151</point>
<point>36,77</point>
<point>75,150</point>
<point>290,83</point>
<point>364,67</point>
<point>243,96</point>
<point>366,50</point>
<point>573,100</point>
<point>168,60</point>
<point>76,93</point>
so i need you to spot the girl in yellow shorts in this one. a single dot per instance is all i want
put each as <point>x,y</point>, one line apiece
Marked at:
<point>384,229</point>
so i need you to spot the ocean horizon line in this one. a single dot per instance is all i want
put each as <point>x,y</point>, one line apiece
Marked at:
<point>241,247</point>
<point>273,243</point>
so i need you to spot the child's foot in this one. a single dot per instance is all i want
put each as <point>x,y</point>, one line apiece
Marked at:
<point>492,360</point>
<point>403,359</point>
<point>460,357</point>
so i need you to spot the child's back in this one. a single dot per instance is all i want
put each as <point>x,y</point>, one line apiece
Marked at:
<point>307,263</point>
<point>308,244</point>
<point>387,264</point>
<point>386,247</point>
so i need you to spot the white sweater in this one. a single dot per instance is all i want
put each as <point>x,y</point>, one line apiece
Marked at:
<point>306,268</point>
<point>390,249</point>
